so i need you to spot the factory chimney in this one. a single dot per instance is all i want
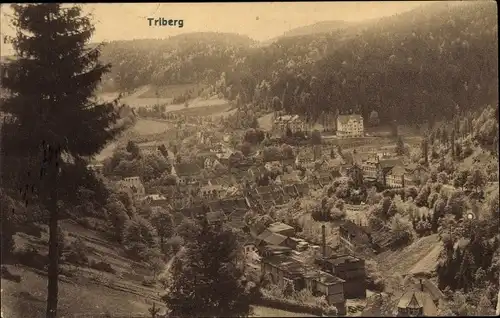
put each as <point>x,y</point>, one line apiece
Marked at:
<point>323,240</point>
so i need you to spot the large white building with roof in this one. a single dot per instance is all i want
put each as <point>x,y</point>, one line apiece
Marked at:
<point>350,126</point>
<point>294,122</point>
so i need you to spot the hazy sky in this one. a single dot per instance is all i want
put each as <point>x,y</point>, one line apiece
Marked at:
<point>260,21</point>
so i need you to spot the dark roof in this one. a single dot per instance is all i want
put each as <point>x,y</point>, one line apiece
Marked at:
<point>390,163</point>
<point>264,189</point>
<point>215,216</point>
<point>291,190</point>
<point>237,219</point>
<point>187,169</point>
<point>191,212</point>
<point>336,260</point>
<point>432,289</point>
<point>302,188</point>
<point>417,299</point>
<point>275,239</point>
<point>279,226</point>
<point>355,230</point>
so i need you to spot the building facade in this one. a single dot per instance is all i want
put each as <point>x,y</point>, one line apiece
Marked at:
<point>350,126</point>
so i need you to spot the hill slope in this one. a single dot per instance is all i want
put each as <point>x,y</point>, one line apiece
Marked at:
<point>319,27</point>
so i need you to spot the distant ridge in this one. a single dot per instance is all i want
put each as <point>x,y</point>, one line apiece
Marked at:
<point>319,27</point>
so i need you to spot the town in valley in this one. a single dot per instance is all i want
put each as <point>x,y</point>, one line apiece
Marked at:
<point>340,169</point>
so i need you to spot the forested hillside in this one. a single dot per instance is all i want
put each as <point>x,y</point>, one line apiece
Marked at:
<point>417,66</point>
<point>187,58</point>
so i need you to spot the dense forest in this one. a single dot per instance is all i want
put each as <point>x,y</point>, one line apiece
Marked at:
<point>417,66</point>
<point>187,58</point>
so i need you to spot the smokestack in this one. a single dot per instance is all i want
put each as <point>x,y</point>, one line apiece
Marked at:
<point>323,237</point>
<point>421,285</point>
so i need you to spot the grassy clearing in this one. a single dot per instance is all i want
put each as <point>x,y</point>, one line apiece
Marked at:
<point>260,311</point>
<point>82,290</point>
<point>148,127</point>
<point>213,110</point>
<point>170,91</point>
<point>266,122</point>
<point>420,255</point>
<point>198,102</point>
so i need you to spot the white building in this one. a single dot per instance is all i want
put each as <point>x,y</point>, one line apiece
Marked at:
<point>294,122</point>
<point>350,126</point>
<point>135,184</point>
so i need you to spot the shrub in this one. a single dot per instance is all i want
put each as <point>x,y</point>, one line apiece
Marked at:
<point>102,266</point>
<point>31,258</point>
<point>76,253</point>
<point>6,274</point>
<point>374,278</point>
<point>148,282</point>
<point>139,236</point>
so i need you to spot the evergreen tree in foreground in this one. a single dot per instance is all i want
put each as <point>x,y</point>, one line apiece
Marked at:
<point>207,281</point>
<point>55,119</point>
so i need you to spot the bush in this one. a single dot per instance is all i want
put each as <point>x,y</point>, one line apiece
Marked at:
<point>102,266</point>
<point>139,236</point>
<point>148,282</point>
<point>31,258</point>
<point>6,274</point>
<point>76,253</point>
<point>374,280</point>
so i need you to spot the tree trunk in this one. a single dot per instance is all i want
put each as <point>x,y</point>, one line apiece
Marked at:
<point>53,271</point>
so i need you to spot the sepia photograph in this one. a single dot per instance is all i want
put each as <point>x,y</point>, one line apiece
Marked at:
<point>253,159</point>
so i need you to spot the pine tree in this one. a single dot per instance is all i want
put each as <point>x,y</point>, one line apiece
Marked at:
<point>207,280</point>
<point>51,87</point>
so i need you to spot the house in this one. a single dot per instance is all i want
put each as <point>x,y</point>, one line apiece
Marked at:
<point>134,184</point>
<point>288,178</point>
<point>395,178</point>
<point>352,235</point>
<point>302,189</point>
<point>217,217</point>
<point>96,168</point>
<point>350,126</point>
<point>370,168</point>
<point>323,178</point>
<point>297,244</point>
<point>293,122</point>
<point>417,302</point>
<point>212,192</point>
<point>384,168</point>
<point>352,270</point>
<point>208,160</point>
<point>156,200</point>
<point>283,270</point>
<point>256,172</point>
<point>186,173</point>
<point>281,228</point>
<point>269,238</point>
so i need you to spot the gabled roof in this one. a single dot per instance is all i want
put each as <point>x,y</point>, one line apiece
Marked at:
<point>390,163</point>
<point>278,227</point>
<point>187,169</point>
<point>290,190</point>
<point>417,299</point>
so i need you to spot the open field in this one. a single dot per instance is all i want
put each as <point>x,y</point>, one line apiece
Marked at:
<point>148,127</point>
<point>420,256</point>
<point>198,102</point>
<point>171,91</point>
<point>213,110</point>
<point>260,311</point>
<point>82,290</point>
